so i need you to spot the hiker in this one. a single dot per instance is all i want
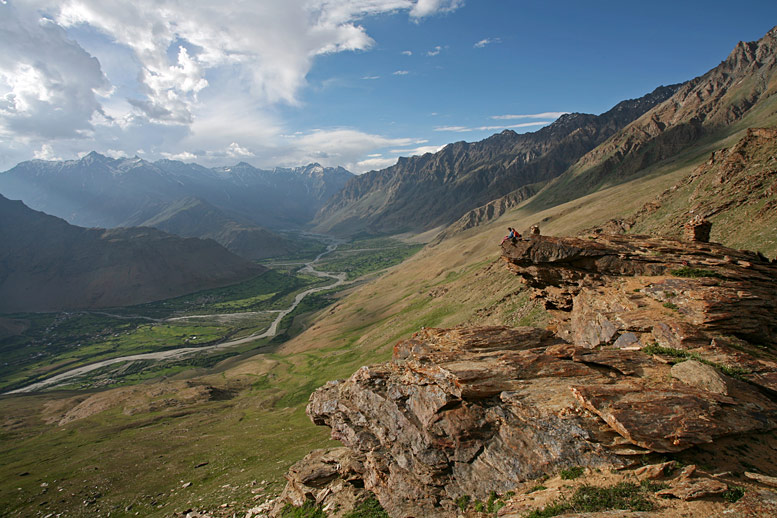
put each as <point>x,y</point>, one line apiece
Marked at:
<point>510,235</point>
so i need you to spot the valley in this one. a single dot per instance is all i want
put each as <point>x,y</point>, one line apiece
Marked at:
<point>300,342</point>
<point>103,349</point>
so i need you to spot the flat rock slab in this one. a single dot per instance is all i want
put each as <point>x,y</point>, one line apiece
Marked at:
<point>694,489</point>
<point>671,419</point>
<point>696,374</point>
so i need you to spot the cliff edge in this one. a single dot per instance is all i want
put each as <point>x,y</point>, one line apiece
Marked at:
<point>659,350</point>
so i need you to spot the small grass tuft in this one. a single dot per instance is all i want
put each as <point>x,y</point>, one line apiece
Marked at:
<point>306,510</point>
<point>572,473</point>
<point>687,271</point>
<point>463,502</point>
<point>680,354</point>
<point>671,305</point>
<point>370,508</point>
<point>733,493</point>
<point>591,499</point>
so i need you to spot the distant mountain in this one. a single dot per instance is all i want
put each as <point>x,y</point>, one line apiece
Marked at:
<point>193,217</point>
<point>47,264</point>
<point>701,116</point>
<point>423,192</point>
<point>101,191</point>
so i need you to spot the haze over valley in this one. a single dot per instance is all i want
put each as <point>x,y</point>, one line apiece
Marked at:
<point>387,259</point>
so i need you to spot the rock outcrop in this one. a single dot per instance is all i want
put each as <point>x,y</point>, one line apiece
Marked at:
<point>640,359</point>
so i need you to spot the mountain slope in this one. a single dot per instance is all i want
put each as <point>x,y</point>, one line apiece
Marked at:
<point>106,192</point>
<point>193,217</point>
<point>423,192</point>
<point>735,189</point>
<point>48,265</point>
<point>737,94</point>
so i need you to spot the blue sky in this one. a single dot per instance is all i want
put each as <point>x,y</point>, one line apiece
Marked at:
<point>354,83</point>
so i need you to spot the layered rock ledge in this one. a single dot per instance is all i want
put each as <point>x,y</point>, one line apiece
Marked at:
<point>638,360</point>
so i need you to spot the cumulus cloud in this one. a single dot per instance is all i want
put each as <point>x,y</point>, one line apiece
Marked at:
<point>45,153</point>
<point>52,88</point>
<point>184,156</point>
<point>435,51</point>
<point>543,115</point>
<point>235,150</point>
<point>49,85</point>
<point>400,73</point>
<point>424,8</point>
<point>407,52</point>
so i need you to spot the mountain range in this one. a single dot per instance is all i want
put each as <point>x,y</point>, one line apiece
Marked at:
<point>110,192</point>
<point>423,192</point>
<point>47,264</point>
<point>574,156</point>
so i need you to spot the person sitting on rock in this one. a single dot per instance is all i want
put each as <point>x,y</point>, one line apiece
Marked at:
<point>510,235</point>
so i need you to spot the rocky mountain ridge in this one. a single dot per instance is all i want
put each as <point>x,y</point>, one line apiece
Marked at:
<point>101,191</point>
<point>658,346</point>
<point>711,106</point>
<point>423,192</point>
<point>47,264</point>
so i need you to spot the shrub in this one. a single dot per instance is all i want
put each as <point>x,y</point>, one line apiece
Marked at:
<point>571,473</point>
<point>687,271</point>
<point>588,499</point>
<point>370,508</point>
<point>306,510</point>
<point>733,493</point>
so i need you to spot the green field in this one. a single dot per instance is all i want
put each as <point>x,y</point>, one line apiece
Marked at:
<point>367,256</point>
<point>52,343</point>
<point>56,342</point>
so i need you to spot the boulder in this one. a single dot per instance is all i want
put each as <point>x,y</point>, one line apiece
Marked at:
<point>696,374</point>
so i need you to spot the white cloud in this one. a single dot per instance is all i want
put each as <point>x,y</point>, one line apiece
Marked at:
<point>234,150</point>
<point>422,150</point>
<point>115,153</point>
<point>435,51</point>
<point>373,164</point>
<point>370,78</point>
<point>45,153</point>
<point>464,129</point>
<point>184,156</point>
<point>400,73</point>
<point>169,62</point>
<point>425,8</point>
<point>48,83</point>
<point>339,146</point>
<point>407,52</point>
<point>543,115</point>
<point>486,41</point>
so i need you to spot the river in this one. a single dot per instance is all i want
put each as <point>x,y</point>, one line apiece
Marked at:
<point>339,279</point>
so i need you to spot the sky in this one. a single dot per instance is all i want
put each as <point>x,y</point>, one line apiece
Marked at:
<point>352,83</point>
